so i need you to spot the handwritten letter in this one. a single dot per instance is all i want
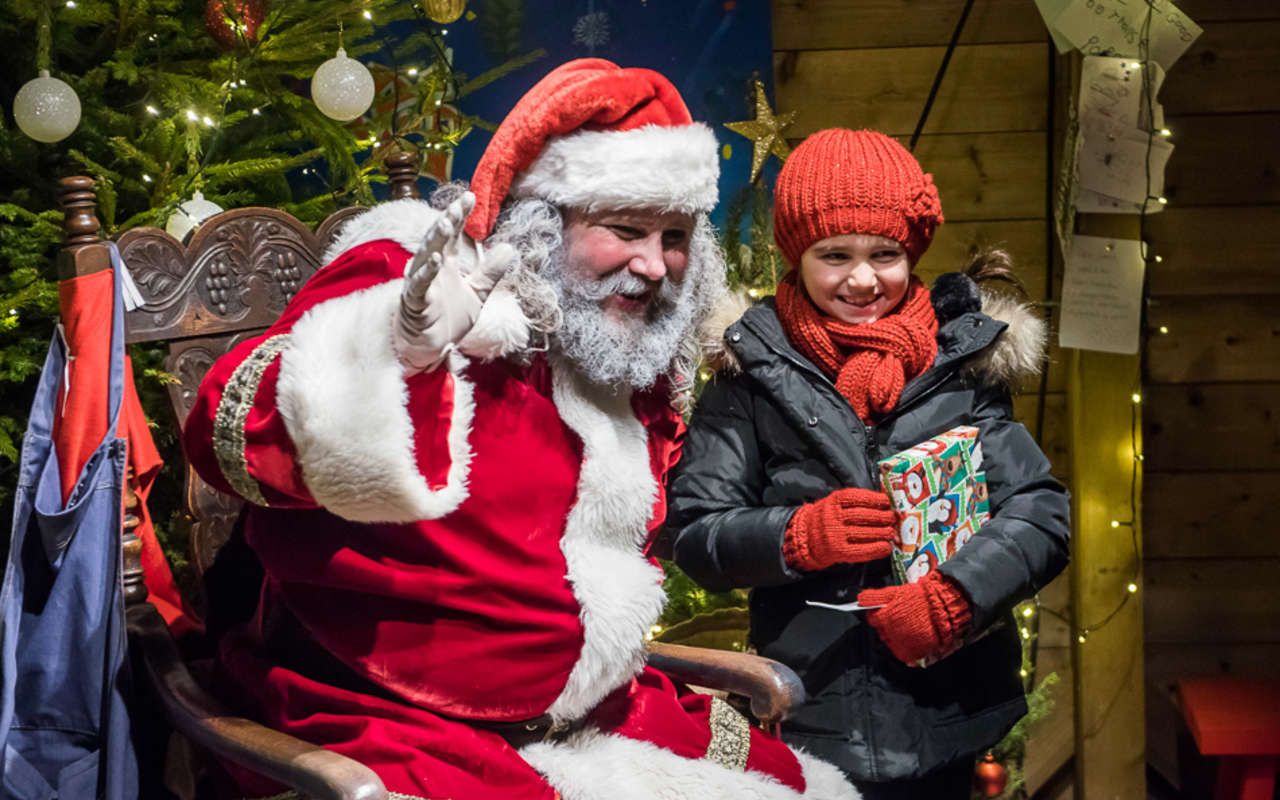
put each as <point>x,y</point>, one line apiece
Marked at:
<point>1102,295</point>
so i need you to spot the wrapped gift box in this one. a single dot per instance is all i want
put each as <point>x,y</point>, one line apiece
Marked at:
<point>940,493</point>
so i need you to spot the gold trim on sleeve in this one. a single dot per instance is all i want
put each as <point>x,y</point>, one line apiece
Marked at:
<point>233,411</point>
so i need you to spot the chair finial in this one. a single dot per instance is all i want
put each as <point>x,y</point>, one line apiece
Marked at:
<point>402,170</point>
<point>79,204</point>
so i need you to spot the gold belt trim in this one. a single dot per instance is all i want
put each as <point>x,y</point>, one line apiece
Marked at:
<point>730,736</point>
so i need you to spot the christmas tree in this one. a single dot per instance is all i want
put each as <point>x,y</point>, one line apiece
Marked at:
<point>208,96</point>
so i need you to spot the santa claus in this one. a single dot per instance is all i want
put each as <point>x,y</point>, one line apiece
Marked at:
<point>454,442</point>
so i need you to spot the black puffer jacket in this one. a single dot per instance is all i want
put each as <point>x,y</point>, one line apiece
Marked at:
<point>771,432</point>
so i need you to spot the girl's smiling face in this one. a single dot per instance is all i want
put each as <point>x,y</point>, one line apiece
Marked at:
<point>855,277</point>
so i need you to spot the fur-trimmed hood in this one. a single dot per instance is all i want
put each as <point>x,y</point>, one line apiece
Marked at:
<point>1017,354</point>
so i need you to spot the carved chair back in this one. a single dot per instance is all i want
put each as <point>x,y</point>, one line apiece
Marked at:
<point>227,284</point>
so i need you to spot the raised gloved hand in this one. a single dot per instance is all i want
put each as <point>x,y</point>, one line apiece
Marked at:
<point>445,285</point>
<point>848,526</point>
<point>922,620</point>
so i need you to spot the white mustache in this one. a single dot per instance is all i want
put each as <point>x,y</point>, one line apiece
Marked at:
<point>665,292</point>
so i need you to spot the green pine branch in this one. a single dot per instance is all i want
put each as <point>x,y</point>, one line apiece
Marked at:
<point>165,112</point>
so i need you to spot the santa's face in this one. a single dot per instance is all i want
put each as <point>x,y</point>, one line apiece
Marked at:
<point>620,292</point>
<point>630,255</point>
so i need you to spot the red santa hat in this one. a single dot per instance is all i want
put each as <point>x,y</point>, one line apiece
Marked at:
<point>592,135</point>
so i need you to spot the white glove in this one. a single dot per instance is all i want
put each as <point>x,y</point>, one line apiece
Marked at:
<point>445,284</point>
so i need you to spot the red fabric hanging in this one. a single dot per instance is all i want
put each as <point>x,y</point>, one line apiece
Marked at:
<point>86,303</point>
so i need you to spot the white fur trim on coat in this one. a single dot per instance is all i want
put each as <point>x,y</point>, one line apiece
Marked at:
<point>404,222</point>
<point>591,765</point>
<point>343,397</point>
<point>502,329</point>
<point>669,169</point>
<point>618,591</point>
<point>1021,351</point>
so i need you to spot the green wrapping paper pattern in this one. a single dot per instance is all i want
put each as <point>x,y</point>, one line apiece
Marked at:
<point>940,494</point>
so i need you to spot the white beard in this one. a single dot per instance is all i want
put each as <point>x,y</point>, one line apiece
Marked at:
<point>631,351</point>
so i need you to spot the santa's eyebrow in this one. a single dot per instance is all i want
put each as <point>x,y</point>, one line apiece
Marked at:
<point>639,221</point>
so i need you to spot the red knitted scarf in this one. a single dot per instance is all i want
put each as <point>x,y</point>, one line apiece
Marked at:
<point>870,362</point>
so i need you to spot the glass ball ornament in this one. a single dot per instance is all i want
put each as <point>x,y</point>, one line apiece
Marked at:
<point>190,216</point>
<point>46,109</point>
<point>444,11</point>
<point>231,22</point>
<point>342,88</point>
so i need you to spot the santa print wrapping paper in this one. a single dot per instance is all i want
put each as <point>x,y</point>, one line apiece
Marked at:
<point>939,491</point>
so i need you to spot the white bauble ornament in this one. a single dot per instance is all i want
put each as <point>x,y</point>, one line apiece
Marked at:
<point>46,108</point>
<point>189,216</point>
<point>342,88</point>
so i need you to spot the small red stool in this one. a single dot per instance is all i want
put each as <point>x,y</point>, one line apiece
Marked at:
<point>1238,721</point>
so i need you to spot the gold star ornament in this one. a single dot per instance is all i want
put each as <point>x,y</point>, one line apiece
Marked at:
<point>765,132</point>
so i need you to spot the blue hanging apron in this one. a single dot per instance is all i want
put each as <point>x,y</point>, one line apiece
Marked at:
<point>63,722</point>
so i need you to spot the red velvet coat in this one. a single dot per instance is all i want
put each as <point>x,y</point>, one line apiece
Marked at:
<point>469,542</point>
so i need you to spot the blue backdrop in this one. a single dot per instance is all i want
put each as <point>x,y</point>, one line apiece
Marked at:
<point>711,50</point>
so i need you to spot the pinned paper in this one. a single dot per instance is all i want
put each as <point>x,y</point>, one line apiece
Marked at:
<point>1102,295</point>
<point>1049,10</point>
<point>1117,28</point>
<point>1112,88</point>
<point>1124,163</point>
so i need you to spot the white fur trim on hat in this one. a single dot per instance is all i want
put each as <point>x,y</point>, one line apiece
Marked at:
<point>591,765</point>
<point>667,169</point>
<point>344,400</point>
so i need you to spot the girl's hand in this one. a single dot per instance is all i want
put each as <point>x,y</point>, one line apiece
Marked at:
<point>848,526</point>
<point>922,620</point>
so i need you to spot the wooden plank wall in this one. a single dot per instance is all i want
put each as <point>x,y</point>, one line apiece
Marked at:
<point>869,64</point>
<point>1213,382</point>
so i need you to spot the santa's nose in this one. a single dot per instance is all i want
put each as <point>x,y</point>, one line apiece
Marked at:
<point>647,259</point>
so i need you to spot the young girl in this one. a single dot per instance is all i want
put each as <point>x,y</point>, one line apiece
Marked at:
<point>853,361</point>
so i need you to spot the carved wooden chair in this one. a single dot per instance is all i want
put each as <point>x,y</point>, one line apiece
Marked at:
<point>227,284</point>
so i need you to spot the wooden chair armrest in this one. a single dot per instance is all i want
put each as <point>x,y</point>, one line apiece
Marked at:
<point>773,688</point>
<point>311,770</point>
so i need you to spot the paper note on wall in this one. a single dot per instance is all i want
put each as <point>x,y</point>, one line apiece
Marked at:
<point>1049,10</point>
<point>1115,162</point>
<point>1102,295</point>
<point>1118,27</point>
<point>1112,88</point>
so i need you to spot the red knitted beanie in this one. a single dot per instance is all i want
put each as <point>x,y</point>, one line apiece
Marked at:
<point>840,181</point>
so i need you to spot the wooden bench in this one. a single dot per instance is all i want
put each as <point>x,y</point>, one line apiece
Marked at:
<point>1236,720</point>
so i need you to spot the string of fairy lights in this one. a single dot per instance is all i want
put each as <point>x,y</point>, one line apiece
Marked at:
<point>1131,521</point>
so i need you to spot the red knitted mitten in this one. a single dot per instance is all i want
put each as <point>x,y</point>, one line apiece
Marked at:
<point>921,620</point>
<point>848,526</point>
